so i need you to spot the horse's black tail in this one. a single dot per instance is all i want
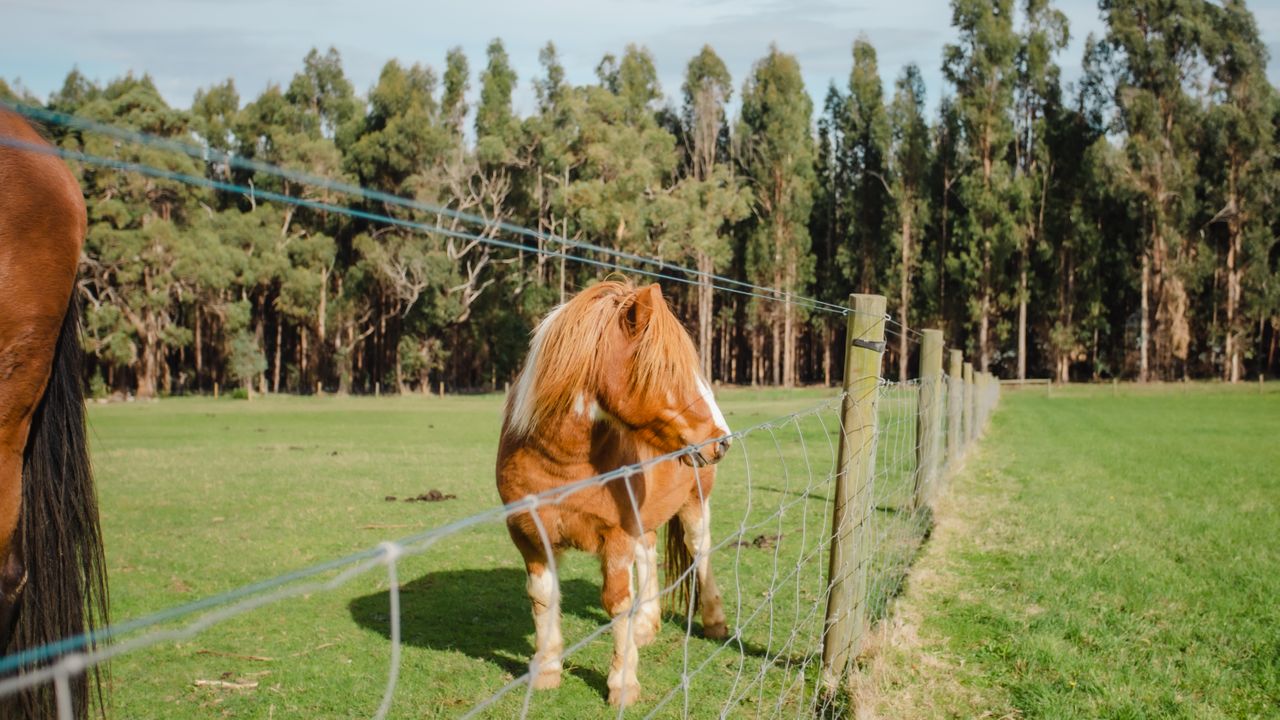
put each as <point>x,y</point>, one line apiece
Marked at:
<point>58,533</point>
<point>677,576</point>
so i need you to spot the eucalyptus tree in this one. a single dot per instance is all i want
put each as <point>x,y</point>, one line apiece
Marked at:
<point>981,67</point>
<point>626,158</point>
<point>1036,95</point>
<point>775,151</point>
<point>1239,173</point>
<point>866,134</point>
<point>552,155</point>
<point>137,238</point>
<point>1157,51</point>
<point>829,222</point>
<point>908,164</point>
<point>708,196</point>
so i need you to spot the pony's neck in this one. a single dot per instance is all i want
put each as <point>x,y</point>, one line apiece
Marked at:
<point>587,434</point>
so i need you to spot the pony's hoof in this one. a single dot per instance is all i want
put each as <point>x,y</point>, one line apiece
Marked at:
<point>718,631</point>
<point>624,696</point>
<point>547,679</point>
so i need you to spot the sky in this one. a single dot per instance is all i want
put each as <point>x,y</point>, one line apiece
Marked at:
<point>188,44</point>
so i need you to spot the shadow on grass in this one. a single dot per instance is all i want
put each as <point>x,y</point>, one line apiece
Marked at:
<point>481,613</point>
<point>485,614</point>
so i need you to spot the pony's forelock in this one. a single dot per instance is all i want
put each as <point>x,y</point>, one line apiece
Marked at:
<point>568,348</point>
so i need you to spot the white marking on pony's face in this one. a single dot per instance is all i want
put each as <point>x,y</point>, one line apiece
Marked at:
<point>710,400</point>
<point>580,404</point>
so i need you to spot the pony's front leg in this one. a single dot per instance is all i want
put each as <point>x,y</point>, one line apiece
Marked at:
<point>648,618</point>
<point>695,516</point>
<point>544,593</point>
<point>616,557</point>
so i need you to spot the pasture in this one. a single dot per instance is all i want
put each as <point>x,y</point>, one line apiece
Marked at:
<point>201,496</point>
<point>1103,556</point>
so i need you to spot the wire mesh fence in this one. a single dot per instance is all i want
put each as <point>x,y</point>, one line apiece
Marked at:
<point>817,516</point>
<point>772,540</point>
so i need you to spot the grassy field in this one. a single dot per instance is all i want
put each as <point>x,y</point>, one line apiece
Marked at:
<point>201,496</point>
<point>1104,555</point>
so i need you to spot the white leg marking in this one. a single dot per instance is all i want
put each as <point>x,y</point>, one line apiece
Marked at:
<point>544,592</point>
<point>649,615</point>
<point>624,688</point>
<point>698,540</point>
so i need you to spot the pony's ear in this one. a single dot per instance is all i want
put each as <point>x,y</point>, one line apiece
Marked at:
<point>642,307</point>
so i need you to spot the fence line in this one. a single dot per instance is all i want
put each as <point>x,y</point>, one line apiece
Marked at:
<point>890,516</point>
<point>843,528</point>
<point>209,154</point>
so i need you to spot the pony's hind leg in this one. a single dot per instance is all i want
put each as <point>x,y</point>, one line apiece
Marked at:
<point>695,516</point>
<point>616,557</point>
<point>648,619</point>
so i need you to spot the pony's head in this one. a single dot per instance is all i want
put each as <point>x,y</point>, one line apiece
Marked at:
<point>616,352</point>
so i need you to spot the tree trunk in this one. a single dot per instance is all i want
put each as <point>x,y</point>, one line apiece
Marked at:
<point>789,335</point>
<point>705,307</point>
<point>1144,334</point>
<point>198,348</point>
<point>275,371</point>
<point>1022,313</point>
<point>302,358</point>
<point>147,368</point>
<point>905,295</point>
<point>827,333</point>
<point>1233,286</point>
<point>258,332</point>
<point>984,307</point>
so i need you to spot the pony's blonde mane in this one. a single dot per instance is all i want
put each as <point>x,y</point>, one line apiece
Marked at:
<point>570,347</point>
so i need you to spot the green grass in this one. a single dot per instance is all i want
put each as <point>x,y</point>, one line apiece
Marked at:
<point>201,496</point>
<point>1105,555</point>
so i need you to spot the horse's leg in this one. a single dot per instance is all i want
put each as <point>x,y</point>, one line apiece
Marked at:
<point>544,592</point>
<point>543,588</point>
<point>13,575</point>
<point>695,516</point>
<point>648,618</point>
<point>616,557</point>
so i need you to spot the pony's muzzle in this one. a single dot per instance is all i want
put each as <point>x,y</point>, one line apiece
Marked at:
<point>708,454</point>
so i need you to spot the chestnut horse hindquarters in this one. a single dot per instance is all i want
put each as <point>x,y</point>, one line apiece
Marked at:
<point>53,574</point>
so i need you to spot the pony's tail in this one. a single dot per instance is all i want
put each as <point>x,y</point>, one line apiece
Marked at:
<point>676,564</point>
<point>59,536</point>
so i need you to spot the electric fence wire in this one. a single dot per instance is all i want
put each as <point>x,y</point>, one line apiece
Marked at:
<point>213,155</point>
<point>890,524</point>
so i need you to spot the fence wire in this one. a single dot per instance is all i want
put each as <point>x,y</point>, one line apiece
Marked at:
<point>772,511</point>
<point>771,548</point>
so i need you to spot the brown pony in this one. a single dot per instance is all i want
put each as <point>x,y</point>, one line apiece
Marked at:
<point>52,574</point>
<point>611,380</point>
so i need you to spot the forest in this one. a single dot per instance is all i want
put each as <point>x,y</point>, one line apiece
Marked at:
<point>1119,226</point>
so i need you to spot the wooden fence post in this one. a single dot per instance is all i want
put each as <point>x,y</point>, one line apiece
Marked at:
<point>969,400</point>
<point>847,572</point>
<point>928,416</point>
<point>955,407</point>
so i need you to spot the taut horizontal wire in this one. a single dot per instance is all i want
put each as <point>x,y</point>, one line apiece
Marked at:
<point>208,154</point>
<point>224,186</point>
<point>250,595</point>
